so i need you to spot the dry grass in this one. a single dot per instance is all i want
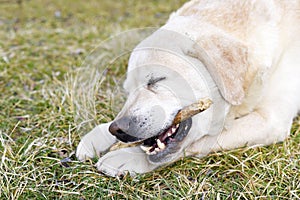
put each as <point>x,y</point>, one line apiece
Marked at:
<point>40,42</point>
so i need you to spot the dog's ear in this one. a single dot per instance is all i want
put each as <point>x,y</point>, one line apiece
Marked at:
<point>227,61</point>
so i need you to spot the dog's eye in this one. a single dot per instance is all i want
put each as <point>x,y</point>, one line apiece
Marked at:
<point>153,80</point>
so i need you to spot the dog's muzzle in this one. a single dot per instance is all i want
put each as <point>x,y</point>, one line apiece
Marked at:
<point>119,129</point>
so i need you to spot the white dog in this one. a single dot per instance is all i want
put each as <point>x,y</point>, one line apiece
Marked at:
<point>243,55</point>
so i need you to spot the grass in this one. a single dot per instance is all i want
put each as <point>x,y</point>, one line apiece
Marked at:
<point>42,43</point>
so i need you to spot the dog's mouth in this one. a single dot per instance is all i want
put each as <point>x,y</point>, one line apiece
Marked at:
<point>167,144</point>
<point>167,141</point>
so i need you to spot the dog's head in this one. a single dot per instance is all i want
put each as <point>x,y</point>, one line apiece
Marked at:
<point>159,83</point>
<point>156,94</point>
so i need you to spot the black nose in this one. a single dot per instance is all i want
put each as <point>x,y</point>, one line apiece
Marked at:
<point>121,129</point>
<point>114,129</point>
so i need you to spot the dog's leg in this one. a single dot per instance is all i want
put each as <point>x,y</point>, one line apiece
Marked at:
<point>132,160</point>
<point>253,129</point>
<point>114,163</point>
<point>95,142</point>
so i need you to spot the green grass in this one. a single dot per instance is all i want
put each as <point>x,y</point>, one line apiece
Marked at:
<point>41,41</point>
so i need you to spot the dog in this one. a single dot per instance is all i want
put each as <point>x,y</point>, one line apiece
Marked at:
<point>243,55</point>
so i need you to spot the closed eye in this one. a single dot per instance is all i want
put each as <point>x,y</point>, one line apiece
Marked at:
<point>153,80</point>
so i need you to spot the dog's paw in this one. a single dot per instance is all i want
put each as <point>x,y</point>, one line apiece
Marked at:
<point>95,142</point>
<point>127,160</point>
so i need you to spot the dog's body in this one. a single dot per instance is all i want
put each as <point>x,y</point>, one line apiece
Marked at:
<point>244,55</point>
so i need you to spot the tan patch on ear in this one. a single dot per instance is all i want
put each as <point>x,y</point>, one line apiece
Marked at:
<point>227,61</point>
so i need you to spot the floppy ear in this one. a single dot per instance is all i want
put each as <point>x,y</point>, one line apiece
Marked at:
<point>226,59</point>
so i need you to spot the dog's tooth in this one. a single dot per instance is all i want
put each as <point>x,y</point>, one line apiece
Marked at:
<point>169,134</point>
<point>144,148</point>
<point>174,130</point>
<point>177,125</point>
<point>151,153</point>
<point>157,149</point>
<point>160,144</point>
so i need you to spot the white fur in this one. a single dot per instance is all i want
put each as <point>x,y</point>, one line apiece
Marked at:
<point>257,41</point>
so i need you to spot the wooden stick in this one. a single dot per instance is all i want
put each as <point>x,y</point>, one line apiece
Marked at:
<point>191,110</point>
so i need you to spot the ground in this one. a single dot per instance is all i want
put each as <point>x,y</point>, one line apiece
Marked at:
<point>41,42</point>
